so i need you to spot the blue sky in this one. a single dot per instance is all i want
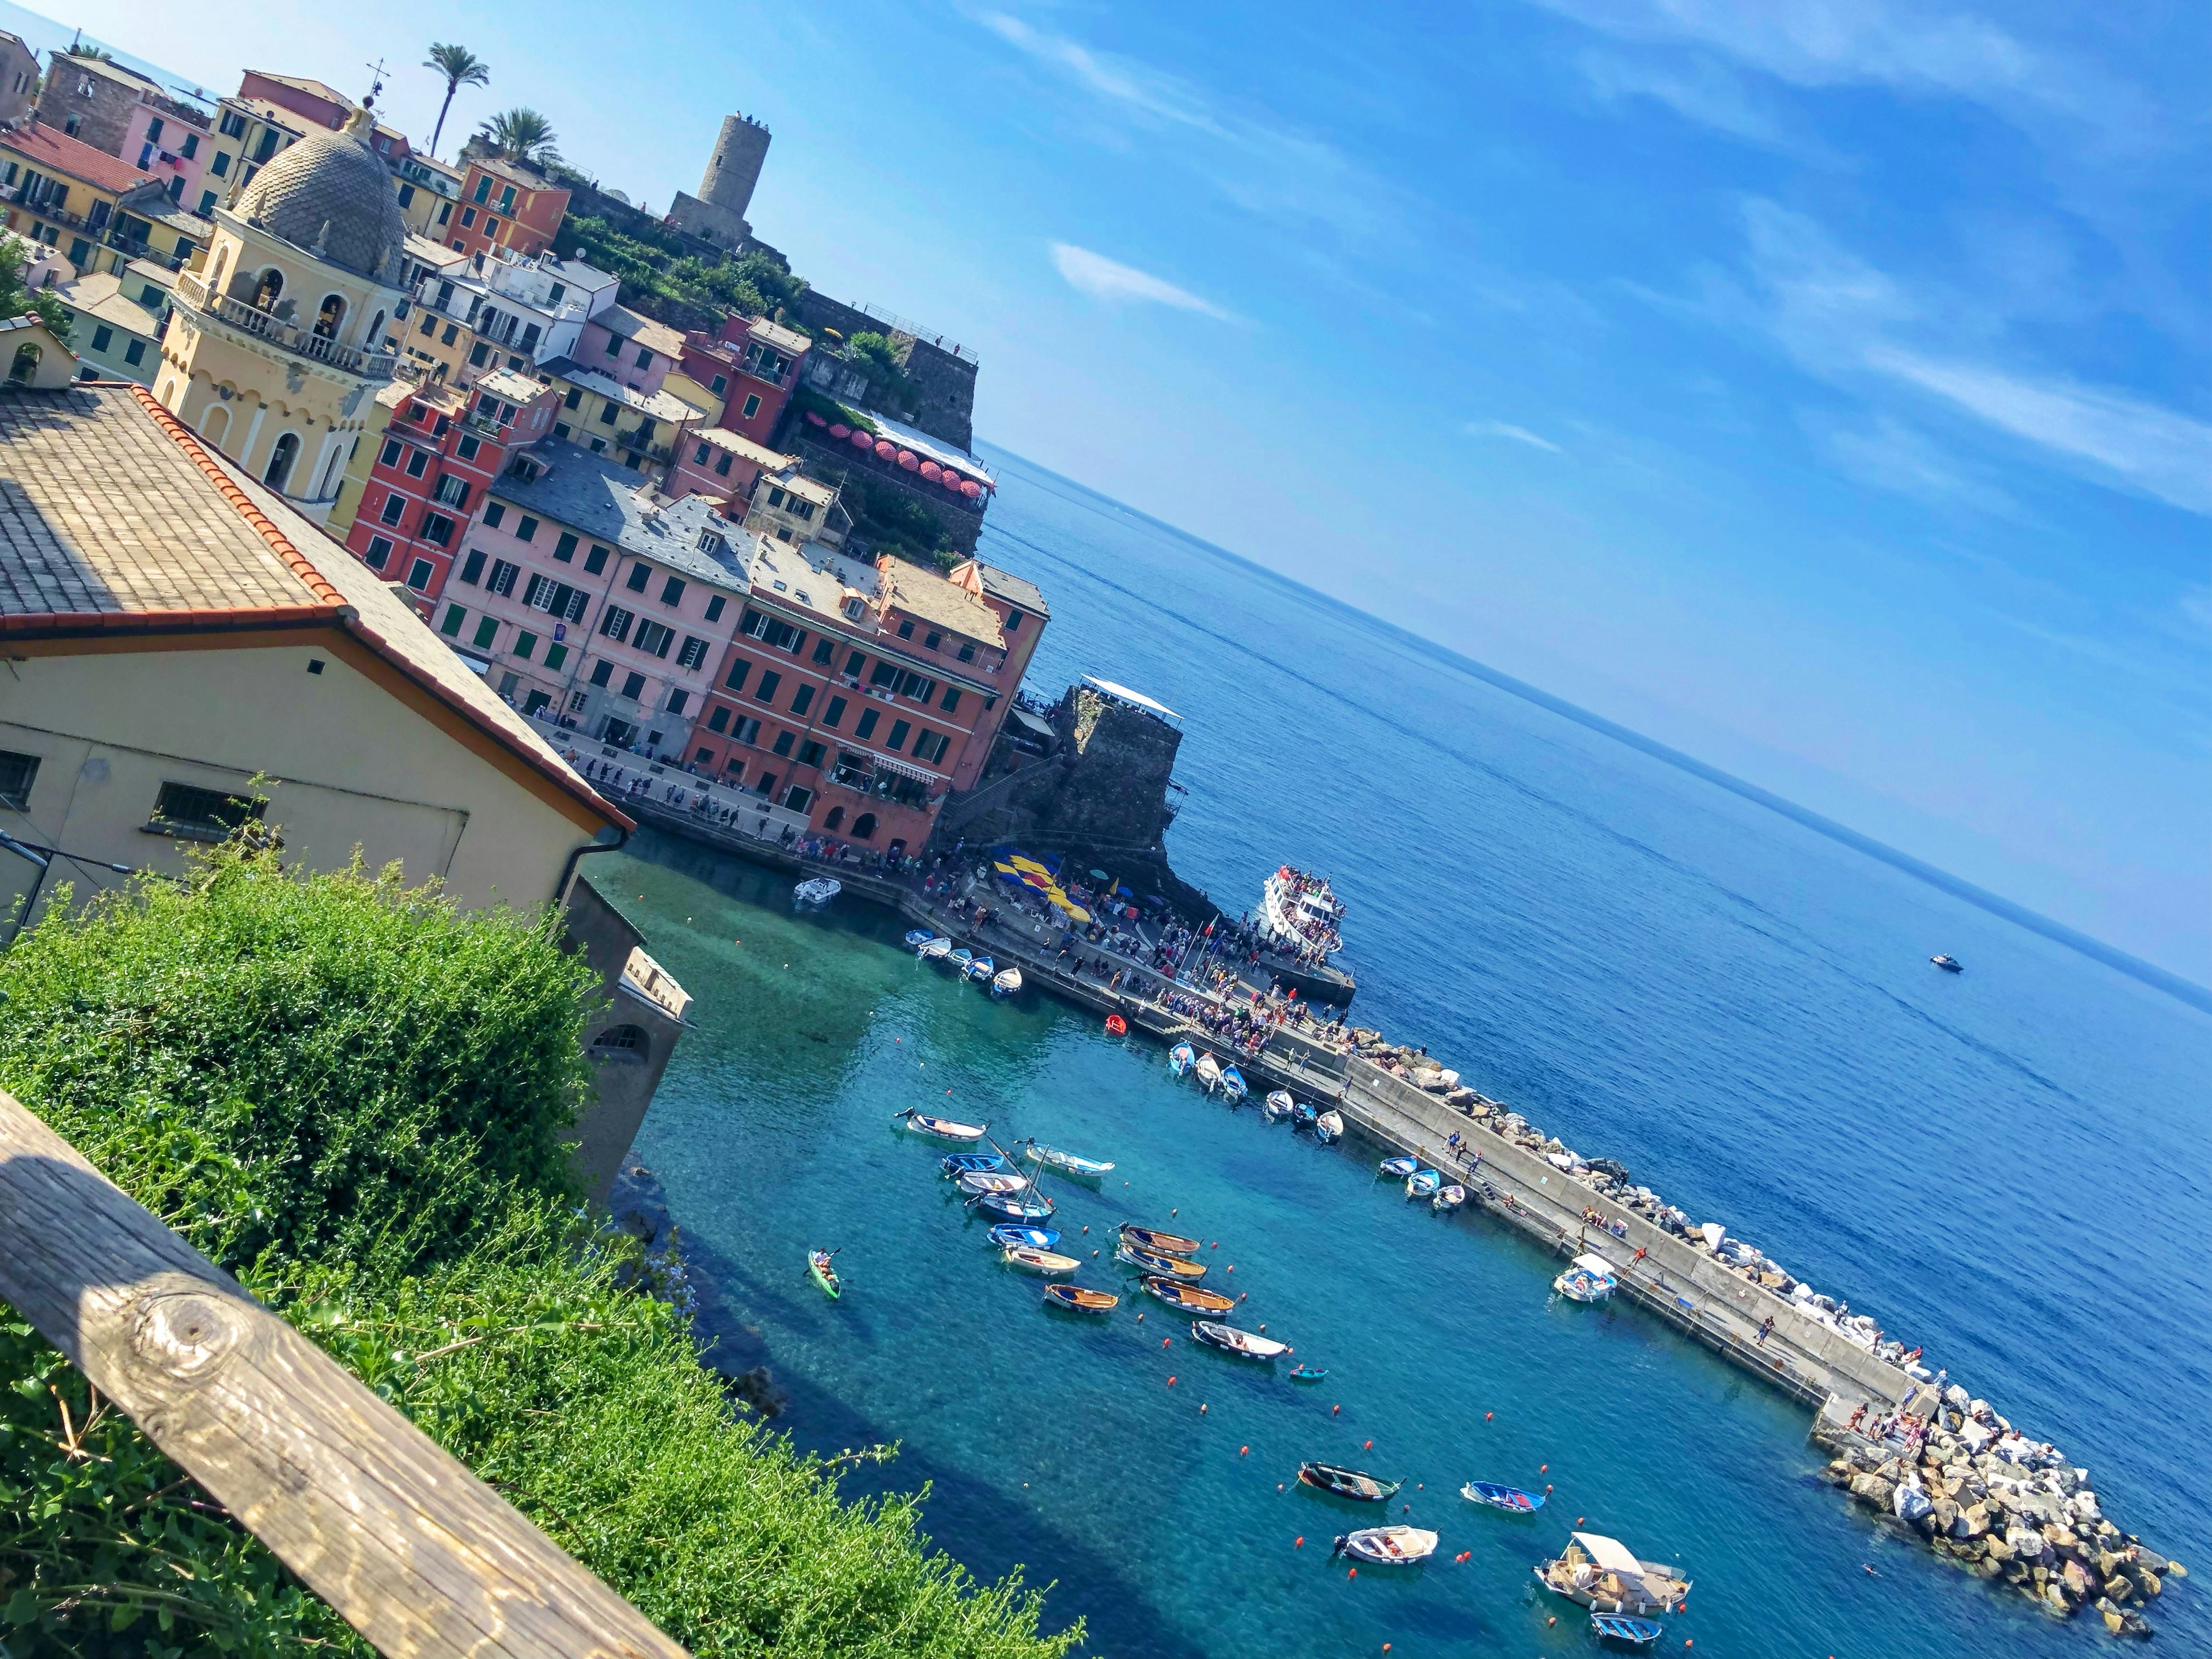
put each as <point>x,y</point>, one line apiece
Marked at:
<point>1819,388</point>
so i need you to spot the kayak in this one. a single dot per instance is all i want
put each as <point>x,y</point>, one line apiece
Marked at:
<point>825,1275</point>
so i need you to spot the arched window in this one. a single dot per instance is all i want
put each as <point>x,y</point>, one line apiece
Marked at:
<point>26,364</point>
<point>836,817</point>
<point>215,276</point>
<point>280,461</point>
<point>864,826</point>
<point>621,1042</point>
<point>327,319</point>
<point>266,291</point>
<point>215,423</point>
<point>374,338</point>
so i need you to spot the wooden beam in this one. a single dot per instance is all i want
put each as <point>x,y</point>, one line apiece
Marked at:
<point>417,1553</point>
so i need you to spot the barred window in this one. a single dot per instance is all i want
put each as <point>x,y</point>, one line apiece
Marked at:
<point>615,623</point>
<point>502,577</point>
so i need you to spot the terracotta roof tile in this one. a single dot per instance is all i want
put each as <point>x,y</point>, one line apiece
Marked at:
<point>53,151</point>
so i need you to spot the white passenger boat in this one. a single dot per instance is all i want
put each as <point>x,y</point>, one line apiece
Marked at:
<point>818,890</point>
<point>1302,910</point>
<point>1388,1547</point>
<point>1603,1574</point>
<point>1005,982</point>
<point>1587,1279</point>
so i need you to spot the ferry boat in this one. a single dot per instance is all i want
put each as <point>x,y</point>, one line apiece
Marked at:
<point>1603,1574</point>
<point>1299,908</point>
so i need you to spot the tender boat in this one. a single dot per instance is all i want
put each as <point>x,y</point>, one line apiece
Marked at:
<point>1037,1261</point>
<point>1153,1239</point>
<point>1511,1499</point>
<point>1423,1183</point>
<point>936,949</point>
<point>1116,1026</point>
<point>1388,1547</point>
<point>1339,1482</point>
<point>956,1164</point>
<point>1024,1207</point>
<point>1181,1058</point>
<point>1209,1071</point>
<point>1304,1116</point>
<point>1245,1345</point>
<point>1329,1126</point>
<point>1397,1167</point>
<point>1603,1574</point>
<point>993,1181</point>
<point>1303,909</point>
<point>1005,982</point>
<point>1278,1105</point>
<point>960,960</point>
<point>1037,1238</point>
<point>1233,1084</point>
<point>1587,1279</point>
<point>943,1128</point>
<point>1949,965</point>
<point>982,968</point>
<point>918,937</point>
<point>819,891</point>
<point>1303,1372</point>
<point>1189,1297</point>
<point>1448,1198</point>
<point>825,1275</point>
<point>1082,1169</point>
<point>1167,1267</point>
<point>1079,1300</point>
<point>1619,1627</point>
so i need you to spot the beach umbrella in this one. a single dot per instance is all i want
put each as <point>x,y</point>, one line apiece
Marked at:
<point>1097,875</point>
<point>931,470</point>
<point>863,440</point>
<point>885,449</point>
<point>840,430</point>
<point>1076,913</point>
<point>907,460</point>
<point>813,419</point>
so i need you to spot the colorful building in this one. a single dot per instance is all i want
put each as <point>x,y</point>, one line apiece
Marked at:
<point>467,317</point>
<point>248,136</point>
<point>726,465</point>
<point>751,367</point>
<point>129,116</point>
<point>116,338</point>
<point>645,430</point>
<point>19,80</point>
<point>98,210</point>
<point>506,205</point>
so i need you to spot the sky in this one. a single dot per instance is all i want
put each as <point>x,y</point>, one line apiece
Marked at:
<point>1819,386</point>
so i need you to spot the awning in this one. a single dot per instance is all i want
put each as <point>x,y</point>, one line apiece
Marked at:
<point>1126,696</point>
<point>1609,1553</point>
<point>920,774</point>
<point>1594,1264</point>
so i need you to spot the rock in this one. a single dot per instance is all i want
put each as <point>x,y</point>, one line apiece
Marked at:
<point>2113,1622</point>
<point>1910,1503</point>
<point>2146,1580</point>
<point>2078,1583</point>
<point>2026,1543</point>
<point>2151,1558</point>
<point>1871,1489</point>
<point>2054,1600</point>
<point>1947,1516</point>
<point>1838,1474</point>
<point>1997,1549</point>
<point>757,1389</point>
<point>2119,1589</point>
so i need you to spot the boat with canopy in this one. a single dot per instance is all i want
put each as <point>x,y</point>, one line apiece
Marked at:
<point>1587,1279</point>
<point>1604,1575</point>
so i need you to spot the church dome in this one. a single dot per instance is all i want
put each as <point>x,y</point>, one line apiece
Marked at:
<point>329,193</point>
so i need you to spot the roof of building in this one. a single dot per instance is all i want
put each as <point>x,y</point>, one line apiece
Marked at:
<point>106,66</point>
<point>101,297</point>
<point>811,575</point>
<point>307,84</point>
<point>812,490</point>
<point>662,405</point>
<point>646,330</point>
<point>331,195</point>
<point>158,207</point>
<point>427,251</point>
<point>775,334</point>
<point>55,151</point>
<point>262,109</point>
<point>1021,595</point>
<point>115,519</point>
<point>745,448</point>
<point>154,271</point>
<point>928,596</point>
<point>605,500</point>
<point>932,449</point>
<point>516,174</point>
<point>511,384</point>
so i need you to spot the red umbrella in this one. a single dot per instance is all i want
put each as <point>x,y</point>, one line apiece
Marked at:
<point>863,440</point>
<point>906,459</point>
<point>931,470</point>
<point>840,430</point>
<point>813,419</point>
<point>971,489</point>
<point>885,448</point>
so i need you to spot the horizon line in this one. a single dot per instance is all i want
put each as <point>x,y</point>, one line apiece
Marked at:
<point>2177,986</point>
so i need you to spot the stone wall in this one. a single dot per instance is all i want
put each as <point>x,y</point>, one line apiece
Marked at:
<point>945,381</point>
<point>841,464</point>
<point>625,1078</point>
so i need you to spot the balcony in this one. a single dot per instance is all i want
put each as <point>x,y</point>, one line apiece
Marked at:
<point>304,342</point>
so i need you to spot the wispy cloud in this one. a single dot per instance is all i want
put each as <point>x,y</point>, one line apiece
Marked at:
<point>1887,453</point>
<point>1114,282</point>
<point>1694,87</point>
<point>1519,434</point>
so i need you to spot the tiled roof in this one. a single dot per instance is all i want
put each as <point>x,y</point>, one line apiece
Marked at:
<point>783,339</point>
<point>632,325</point>
<point>1004,585</point>
<point>101,296</point>
<point>601,498</point>
<point>662,405</point>
<point>52,151</point>
<point>926,594</point>
<point>759,454</point>
<point>522,178</point>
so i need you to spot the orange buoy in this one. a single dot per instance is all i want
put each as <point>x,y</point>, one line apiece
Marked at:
<point>1544,1469</point>
<point>1333,1410</point>
<point>1086,1232</point>
<point>1548,1623</point>
<point>1547,1488</point>
<point>1241,1295</point>
<point>1243,1451</point>
<point>1301,1544</point>
<point>1215,1245</point>
<point>1486,1416</point>
<point>1263,1327</point>
<point>1354,1573</point>
<point>1140,1319</point>
<point>1172,1381</point>
<point>1369,1446</point>
<point>1232,1266</point>
<point>1578,1520</point>
<point>1201,1410</point>
<point>1164,1343</point>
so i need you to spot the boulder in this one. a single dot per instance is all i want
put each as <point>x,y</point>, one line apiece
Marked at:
<point>1910,1503</point>
<point>1996,1548</point>
<point>1947,1517</point>
<point>2055,1601</point>
<point>2026,1543</point>
<point>2078,1583</point>
<point>1873,1489</point>
<point>2152,1559</point>
<point>2119,1589</point>
<point>2146,1580</point>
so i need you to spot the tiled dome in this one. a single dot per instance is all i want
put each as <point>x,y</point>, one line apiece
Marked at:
<point>329,194</point>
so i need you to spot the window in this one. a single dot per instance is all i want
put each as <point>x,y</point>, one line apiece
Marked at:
<point>933,641</point>
<point>602,672</point>
<point>467,448</point>
<point>775,496</point>
<point>507,199</point>
<point>102,337</point>
<point>487,631</point>
<point>951,701</point>
<point>765,691</point>
<point>379,550</point>
<point>554,656</point>
<point>645,357</point>
<point>535,701</point>
<point>716,606</point>
<point>606,414</point>
<point>810,754</point>
<point>1013,622</point>
<point>853,768</point>
<point>206,209</point>
<point>693,653</point>
<point>390,455</point>
<point>468,217</point>
<point>867,728</point>
<point>502,577</point>
<point>473,567</point>
<point>720,719</point>
<point>525,527</point>
<point>451,627</point>
<point>852,665</point>
<point>614,622</point>
<point>437,527</point>
<point>702,758</point>
<point>419,575</point>
<point>835,712</point>
<point>418,462</point>
<point>406,196</point>
<point>614,345</point>
<point>930,746</point>
<point>783,742</point>
<point>632,686</point>
<point>561,429</point>
<point>896,741</point>
<point>797,800</point>
<point>722,465</point>
<point>494,513</point>
<point>720,385</point>
<point>394,509</point>
<point>802,700</point>
<point>735,679</point>
<point>752,407</point>
<point>700,459</point>
<point>836,817</point>
<point>676,700</point>
<point>525,644</point>
<point>905,628</point>
<point>479,355</point>
<point>17,774</point>
<point>654,638</point>
<point>885,673</point>
<point>639,575</point>
<point>672,591</point>
<point>772,631</point>
<point>452,491</point>
<point>915,686</point>
<point>596,560</point>
<point>554,297</point>
<point>746,730</point>
<point>202,814</point>
<point>864,826</point>
<point>967,650</point>
<point>576,395</point>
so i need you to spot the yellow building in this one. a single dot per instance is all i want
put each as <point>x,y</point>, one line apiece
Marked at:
<point>275,350</point>
<point>100,211</point>
<point>249,134</point>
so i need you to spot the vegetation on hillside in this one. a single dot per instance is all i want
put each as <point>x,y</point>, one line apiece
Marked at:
<point>751,284</point>
<point>354,1096</point>
<point>889,385</point>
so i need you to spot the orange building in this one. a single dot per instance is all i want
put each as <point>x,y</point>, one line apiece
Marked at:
<point>506,205</point>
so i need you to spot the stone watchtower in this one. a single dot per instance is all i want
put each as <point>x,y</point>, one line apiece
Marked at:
<point>726,189</point>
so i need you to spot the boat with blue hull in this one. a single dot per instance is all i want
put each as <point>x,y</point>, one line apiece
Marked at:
<point>1182,1058</point>
<point>1037,1239</point>
<point>918,937</point>
<point>956,1165</point>
<point>1233,1084</point>
<point>1022,1207</point>
<point>1397,1168</point>
<point>1622,1631</point>
<point>1511,1499</point>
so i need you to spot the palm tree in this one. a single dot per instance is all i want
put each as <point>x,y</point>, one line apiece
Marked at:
<point>522,134</point>
<point>461,68</point>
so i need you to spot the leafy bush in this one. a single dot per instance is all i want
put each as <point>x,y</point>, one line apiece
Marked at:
<point>351,1096</point>
<point>751,284</point>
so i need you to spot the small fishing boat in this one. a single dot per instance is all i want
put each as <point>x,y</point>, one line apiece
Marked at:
<point>1397,1167</point>
<point>818,1265</point>
<point>1339,1482</point>
<point>1329,1126</point>
<point>1388,1547</point>
<point>916,937</point>
<point>1448,1198</point>
<point>1423,1183</point>
<point>1026,1206</point>
<point>819,891</point>
<point>1116,1026</point>
<point>1181,1058</point>
<point>1005,982</point>
<point>1209,1072</point>
<point>959,960</point>
<point>981,969</point>
<point>1278,1106</point>
<point>1233,1084</point>
<point>993,1181</point>
<point>956,1164</point>
<point>1189,1297</point>
<point>1037,1238</point>
<point>1303,1372</point>
<point>1511,1499</point>
<point>1245,1345</point>
<point>1153,1239</point>
<point>1619,1627</point>
<point>1075,1298</point>
<point>1304,1116</point>
<point>943,1128</point>
<point>1949,965</point>
<point>935,949</point>
<point>1587,1279</point>
<point>1603,1574</point>
<point>1081,1168</point>
<point>1037,1261</point>
<point>1167,1267</point>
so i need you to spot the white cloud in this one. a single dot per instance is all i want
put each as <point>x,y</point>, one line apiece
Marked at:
<point>1114,282</point>
<point>1889,454</point>
<point>1519,434</point>
<point>1693,87</point>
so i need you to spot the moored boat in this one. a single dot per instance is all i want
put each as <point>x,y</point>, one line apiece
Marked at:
<point>819,1268</point>
<point>820,889</point>
<point>1603,1574</point>
<point>993,1181</point>
<point>1354,1484</point>
<point>1301,912</point>
<point>1329,1126</point>
<point>1022,1207</point>
<point>1303,1372</point>
<point>918,937</point>
<point>1587,1279</point>
<point>1005,982</point>
<point>1037,1261</point>
<point>1153,1238</point>
<point>1081,1168</point>
<point>935,949</point>
<point>1387,1547</point>
<point>1181,1058</point>
<point>1278,1105</point>
<point>956,1164</point>
<point>1233,1084</point>
<point>982,968</point>
<point>1037,1238</point>
<point>1511,1499</point>
<point>1077,1299</point>
<point>943,1128</point>
<point>1209,1071</point>
<point>1448,1198</point>
<point>1304,1116</point>
<point>1116,1026</point>
<point>1189,1297</point>
<point>1245,1345</point>
<point>1619,1627</point>
<point>1423,1183</point>
<point>960,959</point>
<point>1397,1167</point>
<point>1150,1261</point>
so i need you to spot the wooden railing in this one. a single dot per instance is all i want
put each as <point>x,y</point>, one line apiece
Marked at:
<point>412,1550</point>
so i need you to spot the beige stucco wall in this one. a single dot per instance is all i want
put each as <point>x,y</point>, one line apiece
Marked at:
<point>351,765</point>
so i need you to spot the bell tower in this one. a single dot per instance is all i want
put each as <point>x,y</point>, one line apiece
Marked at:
<point>717,214</point>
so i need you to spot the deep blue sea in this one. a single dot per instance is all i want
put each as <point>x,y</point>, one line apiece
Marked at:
<point>2008,1166</point>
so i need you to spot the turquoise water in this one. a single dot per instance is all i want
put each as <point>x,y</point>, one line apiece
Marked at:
<point>2008,1166</point>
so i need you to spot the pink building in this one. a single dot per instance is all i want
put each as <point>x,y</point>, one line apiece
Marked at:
<point>726,465</point>
<point>632,349</point>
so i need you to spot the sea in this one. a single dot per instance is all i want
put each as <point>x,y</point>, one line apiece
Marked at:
<point>2007,1166</point>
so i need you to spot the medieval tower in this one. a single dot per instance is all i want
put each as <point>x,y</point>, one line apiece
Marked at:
<point>726,189</point>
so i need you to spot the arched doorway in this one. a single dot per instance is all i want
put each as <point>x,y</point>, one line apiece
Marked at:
<point>864,827</point>
<point>281,461</point>
<point>836,819</point>
<point>266,291</point>
<point>330,317</point>
<point>25,366</point>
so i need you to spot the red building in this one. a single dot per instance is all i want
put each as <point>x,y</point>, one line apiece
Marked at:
<point>1022,614</point>
<point>504,205</point>
<point>441,450</point>
<point>752,366</point>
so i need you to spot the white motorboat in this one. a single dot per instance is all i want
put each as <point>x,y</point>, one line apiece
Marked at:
<point>1248,1345</point>
<point>1603,1574</point>
<point>818,890</point>
<point>1209,1071</point>
<point>936,949</point>
<point>1302,911</point>
<point>1587,1279</point>
<point>1279,1106</point>
<point>1388,1547</point>
<point>1329,1126</point>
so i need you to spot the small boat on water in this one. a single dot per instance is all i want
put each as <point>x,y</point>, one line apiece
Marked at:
<point>1329,1126</point>
<point>943,1128</point>
<point>1603,1574</point>
<point>956,1164</point>
<point>1153,1239</point>
<point>1150,1262</point>
<point>1304,1116</point>
<point>1397,1167</point>
<point>1587,1279</point>
<point>1949,965</point>
<point>1037,1238</point>
<point>1233,1084</point>
<point>993,1181</point>
<point>982,968</point>
<point>1423,1183</point>
<point>934,949</point>
<point>960,959</point>
<point>1511,1499</point>
<point>1341,1482</point>
<point>1005,982</point>
<point>818,890</point>
<point>1303,1372</point>
<point>1037,1261</point>
<point>1077,1299</point>
<point>1278,1106</point>
<point>1619,1627</point>
<point>1209,1072</point>
<point>1387,1547</point>
<point>1116,1026</point>
<point>1189,1297</point>
<point>1448,1198</point>
<point>1022,1207</point>
<point>1181,1058</point>
<point>1080,1169</point>
<point>819,1268</point>
<point>918,937</point>
<point>1245,1345</point>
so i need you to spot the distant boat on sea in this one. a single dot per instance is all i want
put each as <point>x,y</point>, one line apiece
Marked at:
<point>1949,965</point>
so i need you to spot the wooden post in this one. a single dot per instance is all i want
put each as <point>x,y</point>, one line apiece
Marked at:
<point>413,1551</point>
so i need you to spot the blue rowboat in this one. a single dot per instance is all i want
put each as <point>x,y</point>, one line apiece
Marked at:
<point>1303,1116</point>
<point>960,958</point>
<point>1006,1235</point>
<point>1510,1498</point>
<point>960,1163</point>
<point>1395,1167</point>
<point>982,968</point>
<point>918,938</point>
<point>1423,1183</point>
<point>1181,1059</point>
<point>1025,1206</point>
<point>1619,1627</point>
<point>1303,1372</point>
<point>1233,1084</point>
